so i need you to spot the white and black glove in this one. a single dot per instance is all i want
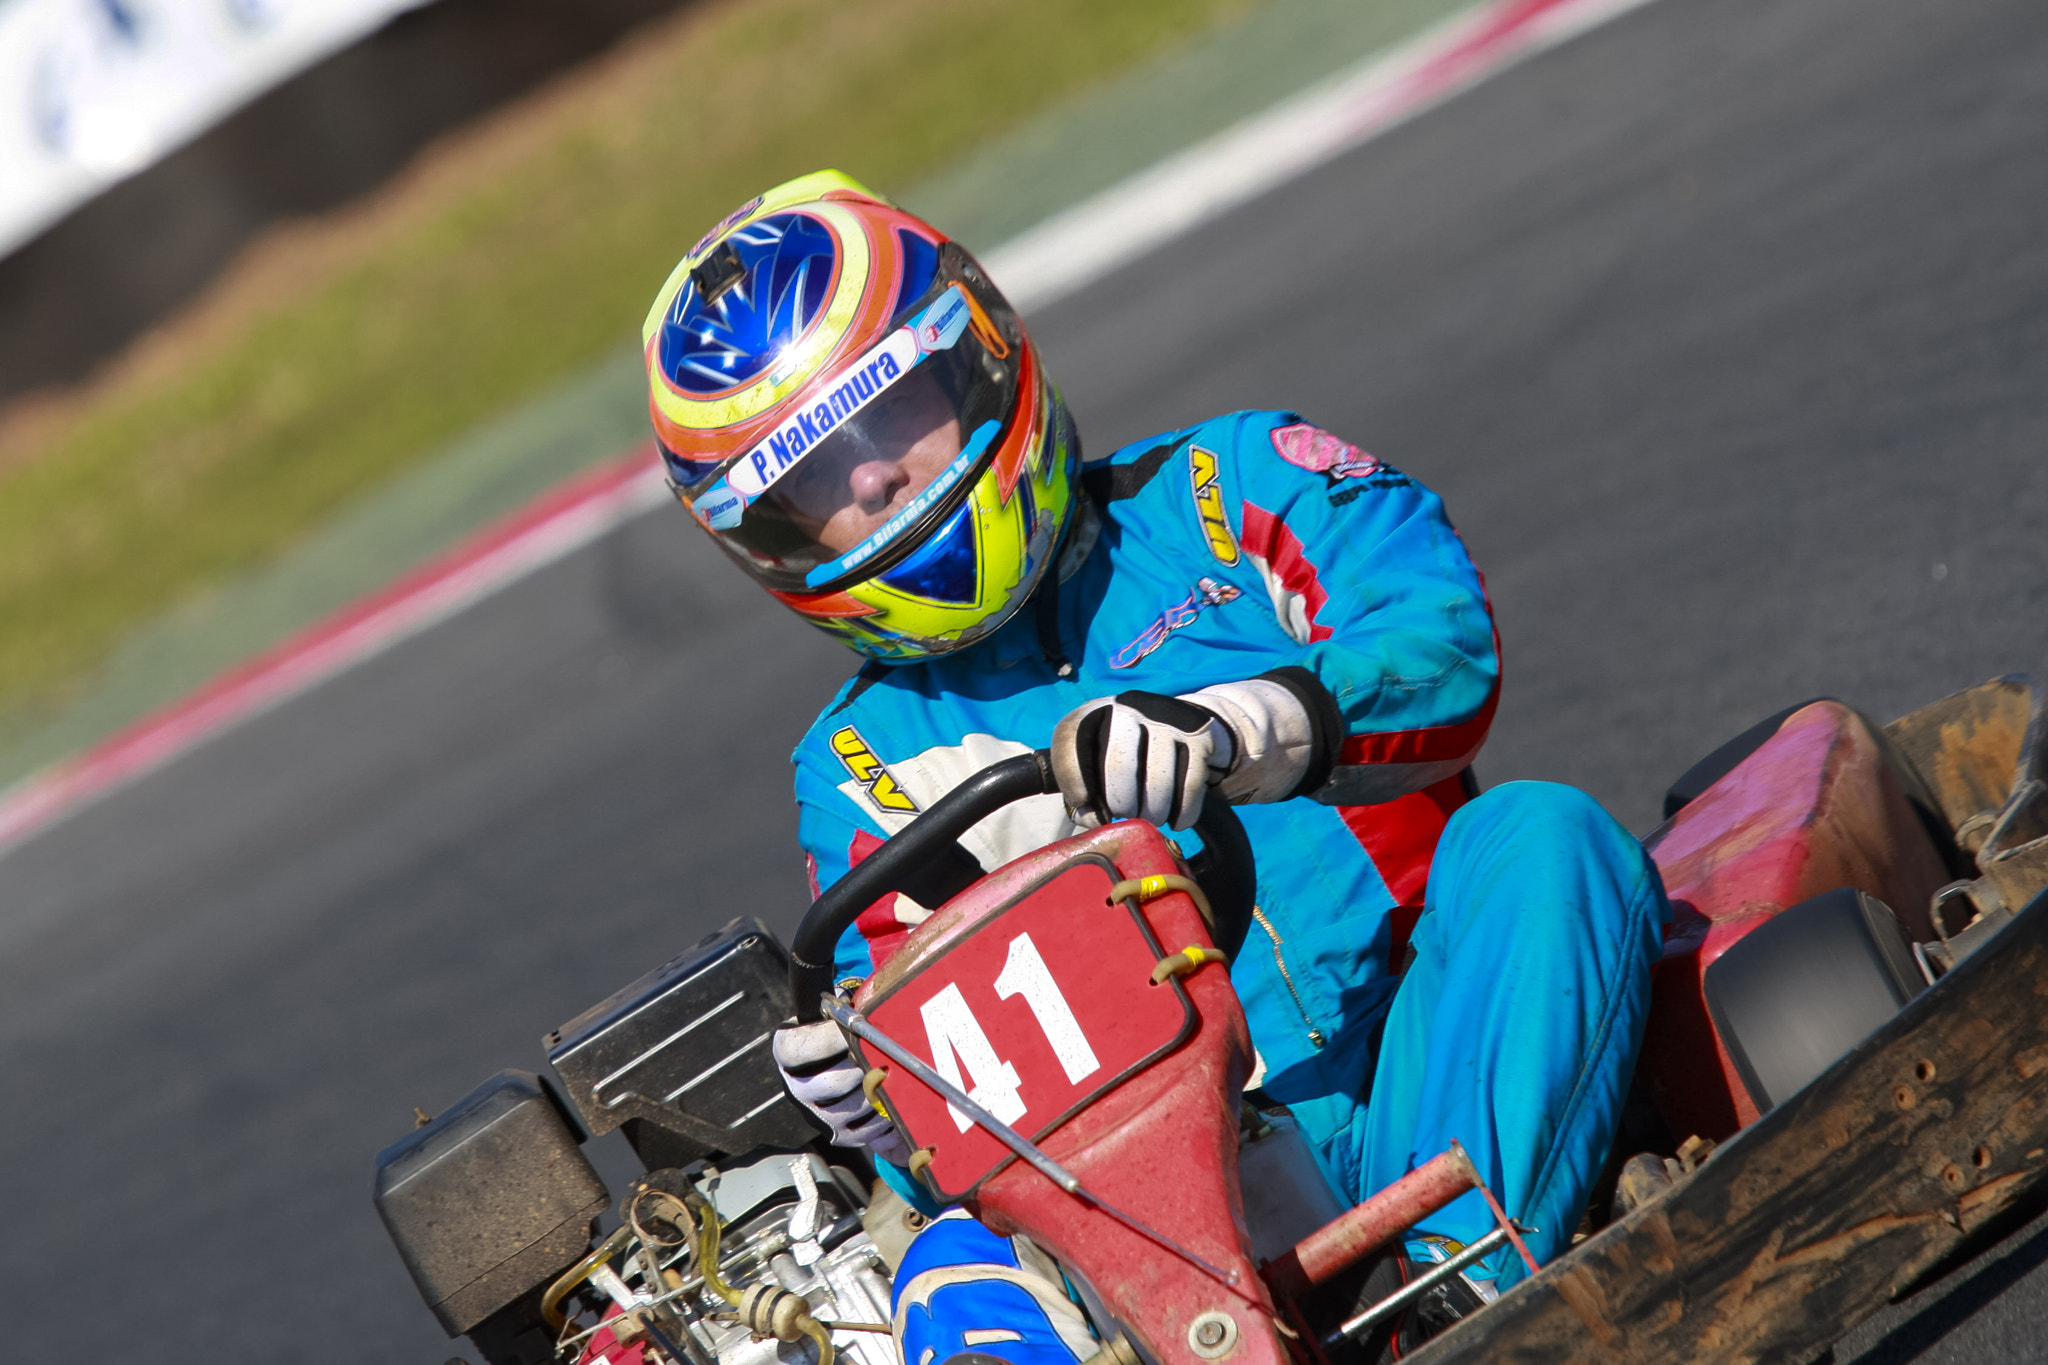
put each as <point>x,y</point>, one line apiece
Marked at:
<point>1138,754</point>
<point>821,1072</point>
<point>1144,755</point>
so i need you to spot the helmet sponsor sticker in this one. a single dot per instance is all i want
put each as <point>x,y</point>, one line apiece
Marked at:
<point>938,328</point>
<point>874,777</point>
<point>1207,593</point>
<point>940,325</point>
<point>1202,471</point>
<point>720,507</point>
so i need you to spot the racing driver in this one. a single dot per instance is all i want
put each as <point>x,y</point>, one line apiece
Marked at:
<point>1249,609</point>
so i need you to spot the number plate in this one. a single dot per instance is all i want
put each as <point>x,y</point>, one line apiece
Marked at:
<point>1046,1005</point>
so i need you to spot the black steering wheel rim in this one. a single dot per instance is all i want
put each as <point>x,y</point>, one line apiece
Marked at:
<point>1225,868</point>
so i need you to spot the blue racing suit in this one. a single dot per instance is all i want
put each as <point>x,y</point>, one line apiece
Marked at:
<point>1518,926</point>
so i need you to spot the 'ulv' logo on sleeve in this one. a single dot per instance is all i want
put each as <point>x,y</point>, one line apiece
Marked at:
<point>1209,505</point>
<point>870,772</point>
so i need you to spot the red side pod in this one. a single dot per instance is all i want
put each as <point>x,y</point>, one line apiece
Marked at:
<point>1161,1147</point>
<point>1813,809</point>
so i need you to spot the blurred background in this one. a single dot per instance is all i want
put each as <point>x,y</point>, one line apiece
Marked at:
<point>1721,324</point>
<point>155,142</point>
<point>288,248</point>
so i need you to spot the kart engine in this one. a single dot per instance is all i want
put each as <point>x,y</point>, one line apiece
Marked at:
<point>795,1266</point>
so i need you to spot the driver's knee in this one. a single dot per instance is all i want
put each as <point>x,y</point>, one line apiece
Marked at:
<point>1543,854</point>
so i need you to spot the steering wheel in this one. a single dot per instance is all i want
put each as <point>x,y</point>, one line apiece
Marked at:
<point>1224,868</point>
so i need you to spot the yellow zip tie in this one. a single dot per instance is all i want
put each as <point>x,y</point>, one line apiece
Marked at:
<point>869,1084</point>
<point>1144,889</point>
<point>1188,959</point>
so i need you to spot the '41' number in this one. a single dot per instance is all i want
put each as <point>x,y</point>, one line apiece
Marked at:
<point>958,1042</point>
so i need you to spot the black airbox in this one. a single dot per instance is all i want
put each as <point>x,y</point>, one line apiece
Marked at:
<point>489,1200</point>
<point>680,1058</point>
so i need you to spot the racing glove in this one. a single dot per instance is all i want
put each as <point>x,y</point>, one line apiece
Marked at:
<point>820,1071</point>
<point>1140,754</point>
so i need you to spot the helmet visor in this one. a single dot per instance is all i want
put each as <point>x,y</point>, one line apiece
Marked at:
<point>882,450</point>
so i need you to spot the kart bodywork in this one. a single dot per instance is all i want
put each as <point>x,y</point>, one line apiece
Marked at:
<point>1809,1215</point>
<point>1843,1091</point>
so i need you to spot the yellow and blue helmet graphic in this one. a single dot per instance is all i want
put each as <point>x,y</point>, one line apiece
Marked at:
<point>846,403</point>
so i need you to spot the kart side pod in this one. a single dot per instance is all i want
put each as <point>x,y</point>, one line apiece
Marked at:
<point>1159,1142</point>
<point>1813,808</point>
<point>1799,991</point>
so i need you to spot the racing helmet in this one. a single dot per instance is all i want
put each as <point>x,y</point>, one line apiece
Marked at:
<point>847,405</point>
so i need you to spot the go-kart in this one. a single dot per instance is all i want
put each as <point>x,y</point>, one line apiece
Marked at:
<point>1843,1089</point>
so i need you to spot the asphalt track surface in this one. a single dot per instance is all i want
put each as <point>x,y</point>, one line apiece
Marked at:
<point>1724,331</point>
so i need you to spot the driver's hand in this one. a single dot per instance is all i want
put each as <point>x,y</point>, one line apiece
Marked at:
<point>1143,755</point>
<point>1139,755</point>
<point>822,1074</point>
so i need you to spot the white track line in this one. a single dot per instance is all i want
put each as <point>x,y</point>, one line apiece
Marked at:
<point>556,524</point>
<point>1073,249</point>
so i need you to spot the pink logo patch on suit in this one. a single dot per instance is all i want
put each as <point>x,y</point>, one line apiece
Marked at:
<point>1310,447</point>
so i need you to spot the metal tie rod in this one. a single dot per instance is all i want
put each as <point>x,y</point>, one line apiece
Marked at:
<point>1415,1289</point>
<point>845,1016</point>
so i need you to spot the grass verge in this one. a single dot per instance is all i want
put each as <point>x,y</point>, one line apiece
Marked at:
<point>336,352</point>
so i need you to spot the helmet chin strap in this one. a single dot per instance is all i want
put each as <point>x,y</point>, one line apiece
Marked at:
<point>1046,609</point>
<point>1082,533</point>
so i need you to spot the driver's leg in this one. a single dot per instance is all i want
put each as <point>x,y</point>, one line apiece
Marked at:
<point>1515,1029</point>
